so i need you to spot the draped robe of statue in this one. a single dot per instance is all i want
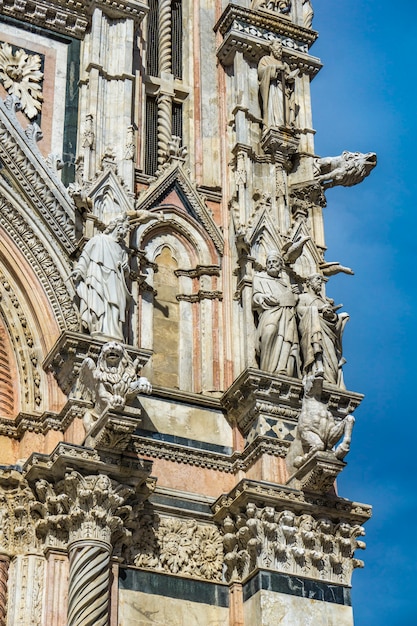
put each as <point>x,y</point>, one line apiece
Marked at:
<point>271,72</point>
<point>276,338</point>
<point>321,332</point>
<point>102,287</point>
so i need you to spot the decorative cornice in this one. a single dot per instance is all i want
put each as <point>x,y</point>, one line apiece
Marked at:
<point>288,498</point>
<point>70,17</point>
<point>230,464</point>
<point>251,32</point>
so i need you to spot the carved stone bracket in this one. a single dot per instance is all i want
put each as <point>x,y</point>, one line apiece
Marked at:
<point>67,355</point>
<point>318,473</point>
<point>113,431</point>
<point>282,143</point>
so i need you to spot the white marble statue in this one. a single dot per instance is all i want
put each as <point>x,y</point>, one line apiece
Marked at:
<point>276,335</point>
<point>321,331</point>
<point>317,429</point>
<point>110,382</point>
<point>99,277</point>
<point>276,88</point>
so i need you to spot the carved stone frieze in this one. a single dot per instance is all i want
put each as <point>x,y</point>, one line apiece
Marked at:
<point>178,546</point>
<point>272,538</point>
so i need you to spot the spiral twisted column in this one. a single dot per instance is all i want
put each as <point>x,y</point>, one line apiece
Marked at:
<point>164,126</point>
<point>165,96</point>
<point>165,29</point>
<point>89,580</point>
<point>4,575</point>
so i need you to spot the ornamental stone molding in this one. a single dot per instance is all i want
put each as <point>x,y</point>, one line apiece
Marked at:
<point>70,17</point>
<point>33,179</point>
<point>194,201</point>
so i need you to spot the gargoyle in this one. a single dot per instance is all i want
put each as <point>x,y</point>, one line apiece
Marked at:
<point>111,382</point>
<point>317,429</point>
<point>350,168</point>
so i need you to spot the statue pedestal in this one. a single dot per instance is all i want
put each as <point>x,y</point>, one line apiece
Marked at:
<point>318,473</point>
<point>113,430</point>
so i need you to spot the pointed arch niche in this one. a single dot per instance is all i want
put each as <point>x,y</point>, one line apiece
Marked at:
<point>179,304</point>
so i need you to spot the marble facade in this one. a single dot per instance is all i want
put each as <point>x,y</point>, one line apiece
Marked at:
<point>173,416</point>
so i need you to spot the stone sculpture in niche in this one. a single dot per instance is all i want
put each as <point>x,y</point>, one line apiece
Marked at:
<point>317,429</point>
<point>99,277</point>
<point>321,330</point>
<point>348,169</point>
<point>276,88</point>
<point>110,382</point>
<point>276,339</point>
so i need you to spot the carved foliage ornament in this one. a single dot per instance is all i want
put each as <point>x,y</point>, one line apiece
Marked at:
<point>179,546</point>
<point>20,74</point>
<point>282,541</point>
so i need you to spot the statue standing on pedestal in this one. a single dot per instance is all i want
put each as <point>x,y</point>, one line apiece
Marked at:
<point>99,277</point>
<point>276,88</point>
<point>276,336</point>
<point>321,331</point>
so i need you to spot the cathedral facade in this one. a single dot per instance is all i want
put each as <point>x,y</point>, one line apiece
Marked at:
<point>173,415</point>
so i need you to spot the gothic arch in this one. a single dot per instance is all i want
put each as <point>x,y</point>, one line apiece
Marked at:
<point>197,299</point>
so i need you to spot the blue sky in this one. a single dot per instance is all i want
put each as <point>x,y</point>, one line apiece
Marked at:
<point>365,99</point>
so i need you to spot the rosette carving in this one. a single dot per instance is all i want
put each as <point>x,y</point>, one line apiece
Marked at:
<point>21,76</point>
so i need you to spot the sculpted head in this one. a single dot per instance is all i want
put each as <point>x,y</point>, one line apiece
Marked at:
<point>276,49</point>
<point>118,228</point>
<point>315,282</point>
<point>111,356</point>
<point>274,263</point>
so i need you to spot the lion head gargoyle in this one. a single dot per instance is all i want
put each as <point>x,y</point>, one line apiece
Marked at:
<point>111,382</point>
